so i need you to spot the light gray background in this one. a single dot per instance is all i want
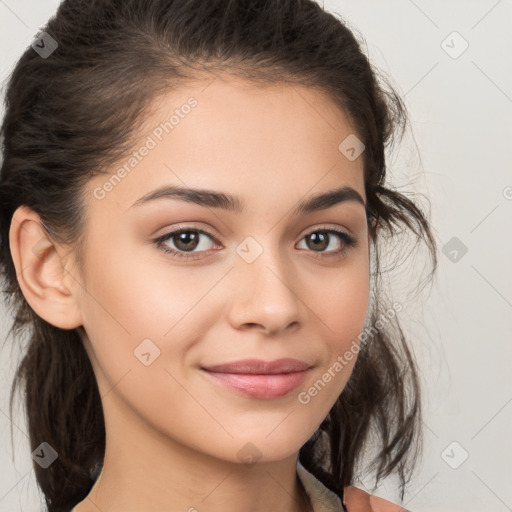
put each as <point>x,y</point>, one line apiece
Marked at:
<point>461,114</point>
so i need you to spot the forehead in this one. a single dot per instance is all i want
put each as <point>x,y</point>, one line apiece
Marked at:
<point>228,133</point>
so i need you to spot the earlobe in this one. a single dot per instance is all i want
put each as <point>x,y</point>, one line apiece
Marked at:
<point>41,273</point>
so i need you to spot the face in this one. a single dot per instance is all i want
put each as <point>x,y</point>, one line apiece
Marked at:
<point>176,284</point>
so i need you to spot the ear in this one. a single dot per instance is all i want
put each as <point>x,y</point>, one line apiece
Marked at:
<point>50,289</point>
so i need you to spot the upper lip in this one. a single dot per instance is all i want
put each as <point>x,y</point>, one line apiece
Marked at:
<point>260,367</point>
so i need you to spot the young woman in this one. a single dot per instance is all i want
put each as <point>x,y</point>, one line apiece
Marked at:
<point>193,204</point>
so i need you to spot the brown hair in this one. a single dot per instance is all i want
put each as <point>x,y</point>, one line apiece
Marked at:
<point>73,114</point>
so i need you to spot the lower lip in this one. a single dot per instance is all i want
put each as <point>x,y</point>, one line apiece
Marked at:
<point>260,386</point>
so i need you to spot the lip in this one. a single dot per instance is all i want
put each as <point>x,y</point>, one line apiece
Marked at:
<point>260,367</point>
<point>260,379</point>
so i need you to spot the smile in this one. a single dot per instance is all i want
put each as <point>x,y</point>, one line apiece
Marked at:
<point>265,386</point>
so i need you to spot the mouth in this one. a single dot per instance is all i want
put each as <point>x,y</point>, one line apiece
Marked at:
<point>260,367</point>
<point>259,379</point>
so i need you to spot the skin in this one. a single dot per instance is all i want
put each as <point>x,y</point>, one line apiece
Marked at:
<point>357,500</point>
<point>173,436</point>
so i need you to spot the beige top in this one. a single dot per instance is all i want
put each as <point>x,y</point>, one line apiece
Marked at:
<point>322,499</point>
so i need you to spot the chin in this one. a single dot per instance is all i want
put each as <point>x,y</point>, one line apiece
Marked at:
<point>260,449</point>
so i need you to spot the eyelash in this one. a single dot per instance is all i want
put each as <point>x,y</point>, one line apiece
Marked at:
<point>347,240</point>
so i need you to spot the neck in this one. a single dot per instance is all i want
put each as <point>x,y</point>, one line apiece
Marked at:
<point>157,473</point>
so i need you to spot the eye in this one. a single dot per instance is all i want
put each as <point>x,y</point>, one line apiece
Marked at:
<point>322,239</point>
<point>184,240</point>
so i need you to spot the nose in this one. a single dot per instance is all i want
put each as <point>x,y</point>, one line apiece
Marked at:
<point>265,297</point>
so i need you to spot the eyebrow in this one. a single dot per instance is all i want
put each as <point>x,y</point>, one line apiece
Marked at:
<point>213,199</point>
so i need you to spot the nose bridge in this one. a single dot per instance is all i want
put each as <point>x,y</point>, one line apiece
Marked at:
<point>265,293</point>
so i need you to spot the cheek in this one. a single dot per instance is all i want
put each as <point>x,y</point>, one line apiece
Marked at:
<point>344,305</point>
<point>143,318</point>
<point>343,310</point>
<point>139,333</point>
<point>346,310</point>
<point>343,318</point>
<point>123,307</point>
